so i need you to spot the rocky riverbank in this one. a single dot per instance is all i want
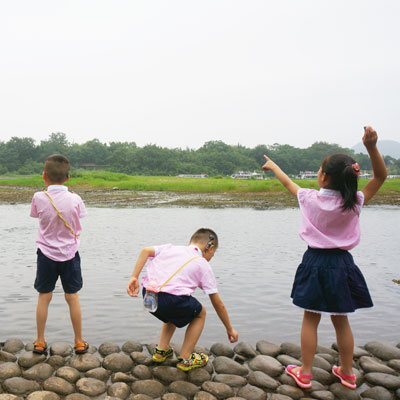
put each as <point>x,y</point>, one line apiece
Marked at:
<point>242,372</point>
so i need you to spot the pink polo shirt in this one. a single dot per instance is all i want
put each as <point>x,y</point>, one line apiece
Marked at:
<point>54,239</point>
<point>324,224</point>
<point>168,258</point>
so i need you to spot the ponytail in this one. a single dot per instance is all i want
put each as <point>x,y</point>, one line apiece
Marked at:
<point>343,171</point>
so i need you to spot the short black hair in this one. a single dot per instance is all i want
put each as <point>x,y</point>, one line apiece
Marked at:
<point>57,168</point>
<point>205,236</point>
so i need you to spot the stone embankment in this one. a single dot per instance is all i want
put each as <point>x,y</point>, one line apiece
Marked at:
<point>112,372</point>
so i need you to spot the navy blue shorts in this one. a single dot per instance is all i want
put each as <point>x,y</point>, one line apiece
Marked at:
<point>48,271</point>
<point>179,310</point>
<point>328,281</point>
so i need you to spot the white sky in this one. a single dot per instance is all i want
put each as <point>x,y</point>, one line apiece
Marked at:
<point>180,73</point>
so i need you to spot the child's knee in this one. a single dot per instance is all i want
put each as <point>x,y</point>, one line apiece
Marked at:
<point>203,312</point>
<point>70,297</point>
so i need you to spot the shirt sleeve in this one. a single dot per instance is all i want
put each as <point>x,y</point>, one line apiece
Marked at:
<point>360,197</point>
<point>207,279</point>
<point>82,209</point>
<point>159,249</point>
<point>34,212</point>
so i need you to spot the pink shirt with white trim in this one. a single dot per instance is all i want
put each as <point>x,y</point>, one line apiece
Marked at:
<point>324,224</point>
<point>168,258</point>
<point>54,240</point>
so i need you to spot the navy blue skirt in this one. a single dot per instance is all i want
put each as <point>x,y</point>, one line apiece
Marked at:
<point>328,281</point>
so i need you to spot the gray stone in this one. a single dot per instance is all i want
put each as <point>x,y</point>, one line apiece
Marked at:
<point>141,358</point>
<point>267,348</point>
<point>39,372</point>
<point>293,392</point>
<point>342,392</point>
<point>131,346</point>
<point>322,395</point>
<point>107,348</point>
<point>395,364</point>
<point>20,386</point>
<point>99,373</point>
<point>322,376</point>
<point>29,359</point>
<point>9,370</point>
<point>119,389</point>
<point>276,396</point>
<point>84,362</point>
<point>69,374</point>
<point>262,380</point>
<point>118,362</point>
<point>204,396</point>
<point>369,364</point>
<point>377,393</point>
<point>378,379</point>
<point>56,361</point>
<point>7,357</point>
<point>245,350</point>
<point>398,390</point>
<point>360,352</point>
<point>198,376</point>
<point>168,374</point>
<point>231,380</point>
<point>186,389</point>
<point>43,395</point>
<point>13,345</point>
<point>77,396</point>
<point>58,385</point>
<point>122,377</point>
<point>332,360</point>
<point>173,396</point>
<point>384,351</point>
<point>61,349</point>
<point>320,362</point>
<point>29,346</point>
<point>7,396</point>
<point>219,390</point>
<point>150,387</point>
<point>225,365</point>
<point>90,386</point>
<point>266,364</point>
<point>326,350</point>
<point>139,397</point>
<point>252,392</point>
<point>222,349</point>
<point>291,349</point>
<point>287,360</point>
<point>142,372</point>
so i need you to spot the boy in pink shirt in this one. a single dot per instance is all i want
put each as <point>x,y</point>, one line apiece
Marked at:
<point>58,211</point>
<point>176,306</point>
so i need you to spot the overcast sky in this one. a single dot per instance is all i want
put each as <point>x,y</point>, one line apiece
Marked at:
<point>180,73</point>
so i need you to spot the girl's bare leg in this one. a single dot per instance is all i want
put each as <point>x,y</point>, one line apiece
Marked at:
<point>192,334</point>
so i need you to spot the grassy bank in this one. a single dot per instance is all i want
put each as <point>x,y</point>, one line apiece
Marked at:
<point>109,180</point>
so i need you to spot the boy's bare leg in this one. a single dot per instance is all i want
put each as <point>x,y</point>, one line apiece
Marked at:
<point>345,342</point>
<point>42,310</point>
<point>76,315</point>
<point>167,331</point>
<point>192,334</point>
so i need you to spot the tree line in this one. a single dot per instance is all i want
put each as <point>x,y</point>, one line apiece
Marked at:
<point>24,156</point>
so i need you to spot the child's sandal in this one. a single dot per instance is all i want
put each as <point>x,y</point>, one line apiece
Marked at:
<point>40,348</point>
<point>344,379</point>
<point>196,360</point>
<point>299,377</point>
<point>162,354</point>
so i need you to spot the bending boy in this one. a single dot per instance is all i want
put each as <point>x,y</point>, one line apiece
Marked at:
<point>59,212</point>
<point>176,306</point>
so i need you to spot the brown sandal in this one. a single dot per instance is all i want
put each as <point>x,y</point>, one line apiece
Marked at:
<point>81,348</point>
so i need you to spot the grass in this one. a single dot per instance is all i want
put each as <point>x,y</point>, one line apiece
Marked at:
<point>110,180</point>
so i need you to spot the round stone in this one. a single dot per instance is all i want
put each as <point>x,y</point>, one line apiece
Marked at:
<point>266,364</point>
<point>7,396</point>
<point>231,380</point>
<point>290,391</point>
<point>377,393</point>
<point>369,364</point>
<point>118,362</point>
<point>9,370</point>
<point>149,387</point>
<point>267,348</point>
<point>69,374</point>
<point>39,372</point>
<point>77,396</point>
<point>13,345</point>
<point>61,349</point>
<point>186,389</point>
<point>173,396</point>
<point>287,360</point>
<point>131,346</point>
<point>141,358</point>
<point>342,392</point>
<point>142,372</point>
<point>219,390</point>
<point>99,373</point>
<point>222,349</point>
<point>7,357</point>
<point>252,392</point>
<point>384,351</point>
<point>108,348</point>
<point>387,381</point>
<point>198,376</point>
<point>166,375</point>
<point>323,395</point>
<point>20,386</point>
<point>123,377</point>
<point>245,350</point>
<point>291,349</point>
<point>119,389</point>
<point>204,396</point>
<point>30,359</point>
<point>85,362</point>
<point>43,395</point>
<point>225,365</point>
<point>56,361</point>
<point>58,385</point>
<point>91,387</point>
<point>262,380</point>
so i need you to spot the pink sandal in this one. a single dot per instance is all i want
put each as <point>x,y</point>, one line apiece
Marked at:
<point>298,376</point>
<point>344,379</point>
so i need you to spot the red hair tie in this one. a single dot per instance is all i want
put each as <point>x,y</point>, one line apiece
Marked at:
<point>356,168</point>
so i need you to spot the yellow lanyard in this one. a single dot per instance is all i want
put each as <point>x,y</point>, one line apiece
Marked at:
<point>179,269</point>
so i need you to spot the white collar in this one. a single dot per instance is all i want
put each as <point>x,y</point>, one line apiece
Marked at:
<point>196,248</point>
<point>329,192</point>
<point>57,187</point>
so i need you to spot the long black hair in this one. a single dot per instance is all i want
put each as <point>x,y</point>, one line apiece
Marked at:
<point>343,171</point>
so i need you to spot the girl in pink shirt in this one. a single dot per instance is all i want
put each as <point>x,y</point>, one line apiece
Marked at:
<point>327,281</point>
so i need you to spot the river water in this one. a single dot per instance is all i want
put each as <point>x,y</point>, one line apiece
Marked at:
<point>254,266</point>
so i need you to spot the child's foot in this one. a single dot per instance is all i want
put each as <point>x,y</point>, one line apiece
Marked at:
<point>346,380</point>
<point>196,360</point>
<point>302,380</point>
<point>81,348</point>
<point>161,355</point>
<point>40,347</point>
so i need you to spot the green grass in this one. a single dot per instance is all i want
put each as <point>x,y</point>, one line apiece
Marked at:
<point>109,180</point>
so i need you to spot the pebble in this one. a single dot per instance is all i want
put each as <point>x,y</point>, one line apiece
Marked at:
<point>118,362</point>
<point>91,387</point>
<point>108,348</point>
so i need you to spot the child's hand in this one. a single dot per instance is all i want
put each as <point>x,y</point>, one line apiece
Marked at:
<point>269,164</point>
<point>133,287</point>
<point>370,137</point>
<point>232,335</point>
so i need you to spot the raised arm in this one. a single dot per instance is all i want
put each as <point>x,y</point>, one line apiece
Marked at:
<point>222,313</point>
<point>370,139</point>
<point>283,178</point>
<point>133,285</point>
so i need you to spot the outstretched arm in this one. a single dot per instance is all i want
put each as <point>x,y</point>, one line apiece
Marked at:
<point>222,313</point>
<point>370,139</point>
<point>133,285</point>
<point>283,178</point>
